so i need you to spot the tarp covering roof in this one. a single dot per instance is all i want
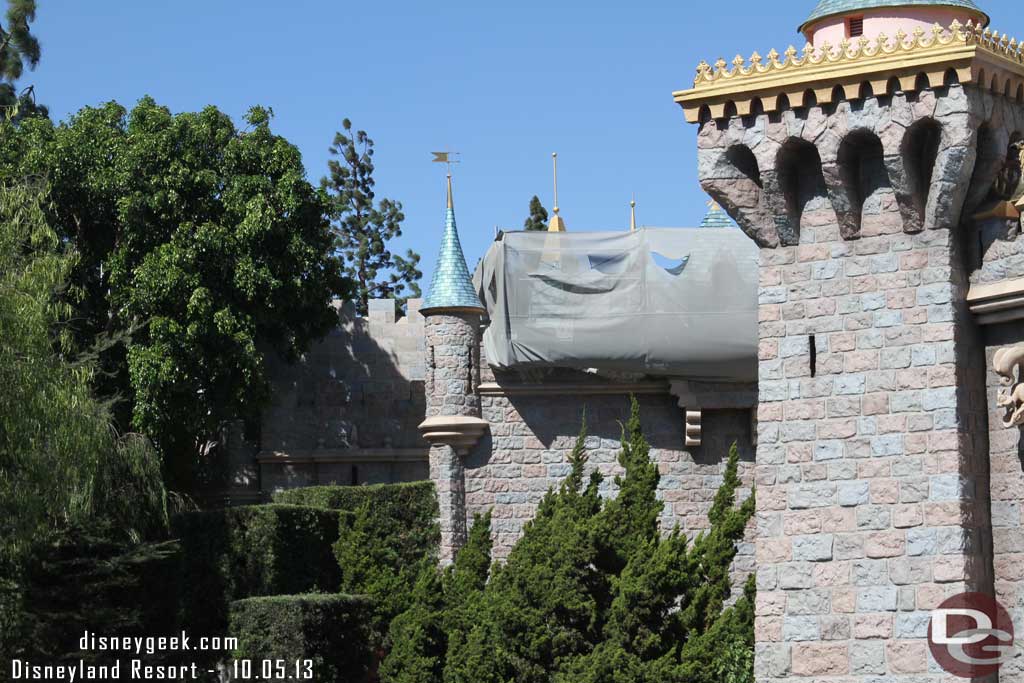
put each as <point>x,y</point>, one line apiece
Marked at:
<point>660,301</point>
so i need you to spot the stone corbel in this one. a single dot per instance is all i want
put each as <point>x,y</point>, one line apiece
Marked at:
<point>692,411</point>
<point>1008,363</point>
<point>461,433</point>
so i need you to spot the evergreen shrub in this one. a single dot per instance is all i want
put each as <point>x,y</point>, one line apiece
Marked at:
<point>83,582</point>
<point>252,551</point>
<point>390,534</point>
<point>330,630</point>
<point>593,592</point>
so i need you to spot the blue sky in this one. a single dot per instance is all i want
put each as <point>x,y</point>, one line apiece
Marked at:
<point>504,83</point>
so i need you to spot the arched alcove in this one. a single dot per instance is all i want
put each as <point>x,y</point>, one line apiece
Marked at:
<point>862,173</point>
<point>801,180</point>
<point>919,150</point>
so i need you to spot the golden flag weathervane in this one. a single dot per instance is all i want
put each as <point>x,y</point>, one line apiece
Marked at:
<point>445,158</point>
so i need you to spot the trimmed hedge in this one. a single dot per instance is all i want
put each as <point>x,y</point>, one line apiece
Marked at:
<point>331,630</point>
<point>391,534</point>
<point>411,501</point>
<point>253,551</point>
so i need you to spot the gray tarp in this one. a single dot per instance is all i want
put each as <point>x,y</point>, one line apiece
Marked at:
<point>669,302</point>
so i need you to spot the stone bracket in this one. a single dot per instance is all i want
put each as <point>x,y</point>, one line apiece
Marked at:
<point>461,433</point>
<point>683,391</point>
<point>693,428</point>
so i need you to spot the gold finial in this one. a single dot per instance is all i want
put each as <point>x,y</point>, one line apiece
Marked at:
<point>446,158</point>
<point>713,205</point>
<point>632,214</point>
<point>556,224</point>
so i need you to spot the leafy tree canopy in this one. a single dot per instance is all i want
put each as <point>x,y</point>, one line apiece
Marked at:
<point>363,227</point>
<point>591,593</point>
<point>537,221</point>
<point>201,246</point>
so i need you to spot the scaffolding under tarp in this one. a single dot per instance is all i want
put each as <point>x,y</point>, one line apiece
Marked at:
<point>671,302</point>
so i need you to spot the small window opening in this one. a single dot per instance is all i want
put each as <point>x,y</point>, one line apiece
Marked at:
<point>355,476</point>
<point>855,27</point>
<point>814,356</point>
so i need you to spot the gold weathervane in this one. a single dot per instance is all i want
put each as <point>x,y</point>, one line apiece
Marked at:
<point>446,158</point>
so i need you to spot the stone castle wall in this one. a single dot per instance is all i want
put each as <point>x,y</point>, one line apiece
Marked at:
<point>1007,494</point>
<point>348,413</point>
<point>871,489</point>
<point>533,428</point>
<point>873,426</point>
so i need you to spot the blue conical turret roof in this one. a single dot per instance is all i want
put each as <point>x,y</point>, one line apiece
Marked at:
<point>451,287</point>
<point>716,218</point>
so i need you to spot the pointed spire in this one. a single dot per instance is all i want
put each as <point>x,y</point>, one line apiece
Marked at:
<point>451,286</point>
<point>632,215</point>
<point>715,217</point>
<point>556,224</point>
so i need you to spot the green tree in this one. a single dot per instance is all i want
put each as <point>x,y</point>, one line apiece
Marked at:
<point>62,464</point>
<point>202,244</point>
<point>593,592</point>
<point>442,603</point>
<point>363,227</point>
<point>19,49</point>
<point>538,218</point>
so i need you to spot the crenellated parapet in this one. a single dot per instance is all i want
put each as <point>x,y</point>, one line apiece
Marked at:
<point>930,120</point>
<point>853,70</point>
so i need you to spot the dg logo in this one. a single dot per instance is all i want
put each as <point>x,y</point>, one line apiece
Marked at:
<point>971,635</point>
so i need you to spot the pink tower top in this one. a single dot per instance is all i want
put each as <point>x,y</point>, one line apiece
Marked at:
<point>833,21</point>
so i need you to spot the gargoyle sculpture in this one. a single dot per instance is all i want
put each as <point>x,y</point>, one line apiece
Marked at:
<point>1008,363</point>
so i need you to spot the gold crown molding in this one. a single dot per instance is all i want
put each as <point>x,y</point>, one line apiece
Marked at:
<point>975,54</point>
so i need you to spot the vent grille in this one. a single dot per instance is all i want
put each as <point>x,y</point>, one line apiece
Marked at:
<point>855,27</point>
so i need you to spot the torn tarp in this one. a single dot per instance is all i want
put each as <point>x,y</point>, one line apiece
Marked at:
<point>665,301</point>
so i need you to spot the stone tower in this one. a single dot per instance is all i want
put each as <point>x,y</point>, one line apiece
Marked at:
<point>868,168</point>
<point>453,426</point>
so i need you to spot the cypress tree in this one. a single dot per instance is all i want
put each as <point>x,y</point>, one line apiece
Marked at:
<point>537,221</point>
<point>592,592</point>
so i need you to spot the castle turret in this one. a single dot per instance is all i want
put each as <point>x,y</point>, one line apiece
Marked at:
<point>834,21</point>
<point>453,426</point>
<point>858,165</point>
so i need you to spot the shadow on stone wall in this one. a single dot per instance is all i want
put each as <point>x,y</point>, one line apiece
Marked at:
<point>347,412</point>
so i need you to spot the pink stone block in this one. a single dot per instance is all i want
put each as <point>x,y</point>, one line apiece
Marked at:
<point>820,659</point>
<point>907,657</point>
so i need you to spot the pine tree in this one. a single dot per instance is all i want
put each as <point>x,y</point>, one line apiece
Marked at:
<point>363,227</point>
<point>443,604</point>
<point>594,593</point>
<point>538,219</point>
<point>18,49</point>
